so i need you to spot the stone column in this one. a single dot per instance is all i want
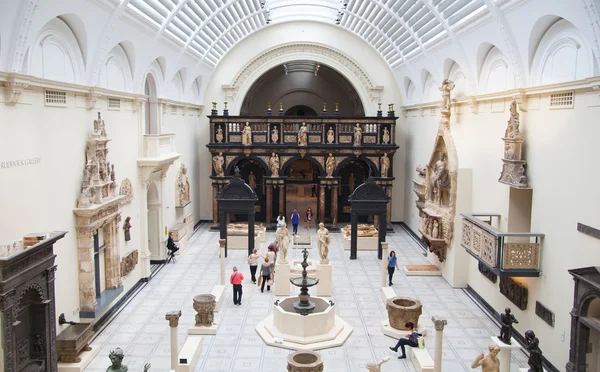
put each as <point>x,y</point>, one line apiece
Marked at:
<point>251,236</point>
<point>334,204</point>
<point>222,243</point>
<point>215,206</point>
<point>282,200</point>
<point>269,191</point>
<point>87,271</point>
<point>353,236</point>
<point>112,256</point>
<point>322,204</point>
<point>173,318</point>
<point>439,324</point>
<point>384,266</point>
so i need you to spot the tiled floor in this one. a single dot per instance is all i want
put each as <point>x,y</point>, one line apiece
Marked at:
<point>142,331</point>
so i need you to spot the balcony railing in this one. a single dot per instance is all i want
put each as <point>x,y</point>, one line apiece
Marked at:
<point>158,145</point>
<point>322,130</point>
<point>506,254</point>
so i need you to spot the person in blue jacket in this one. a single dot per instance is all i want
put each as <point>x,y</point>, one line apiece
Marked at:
<point>295,220</point>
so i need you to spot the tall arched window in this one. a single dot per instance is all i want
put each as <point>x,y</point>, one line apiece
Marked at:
<point>151,105</point>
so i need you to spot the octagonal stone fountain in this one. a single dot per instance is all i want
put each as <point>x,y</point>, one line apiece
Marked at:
<point>303,322</point>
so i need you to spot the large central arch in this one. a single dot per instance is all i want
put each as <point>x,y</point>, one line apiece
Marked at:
<point>243,81</point>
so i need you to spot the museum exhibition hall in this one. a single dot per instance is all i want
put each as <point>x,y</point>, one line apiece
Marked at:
<point>299,185</point>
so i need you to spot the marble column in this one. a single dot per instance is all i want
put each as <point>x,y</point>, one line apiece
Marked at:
<point>269,203</point>
<point>334,204</point>
<point>384,264</point>
<point>322,204</point>
<point>222,243</point>
<point>215,206</point>
<point>439,324</point>
<point>282,200</point>
<point>173,318</point>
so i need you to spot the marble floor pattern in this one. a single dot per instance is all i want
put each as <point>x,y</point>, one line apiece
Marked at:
<point>142,331</point>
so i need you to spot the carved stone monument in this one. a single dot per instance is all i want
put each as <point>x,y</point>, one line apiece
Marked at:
<point>126,190</point>
<point>323,243</point>
<point>204,305</point>
<point>403,309</point>
<point>419,188</point>
<point>282,236</point>
<point>513,167</point>
<point>182,191</point>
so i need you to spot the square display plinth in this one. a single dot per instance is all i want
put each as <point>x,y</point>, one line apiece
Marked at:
<point>365,243</point>
<point>86,359</point>
<point>505,353</point>
<point>301,241</point>
<point>421,270</point>
<point>212,330</point>
<point>324,274</point>
<point>282,284</point>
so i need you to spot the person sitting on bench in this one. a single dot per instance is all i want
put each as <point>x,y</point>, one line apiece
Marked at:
<point>171,246</point>
<point>412,340</point>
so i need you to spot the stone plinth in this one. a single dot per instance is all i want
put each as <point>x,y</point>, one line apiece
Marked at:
<point>403,309</point>
<point>85,359</point>
<point>324,274</point>
<point>305,361</point>
<point>504,356</point>
<point>364,243</point>
<point>301,241</point>
<point>282,284</point>
<point>241,241</point>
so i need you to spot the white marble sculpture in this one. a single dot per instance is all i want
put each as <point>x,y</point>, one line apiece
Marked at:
<point>376,366</point>
<point>386,136</point>
<point>282,235</point>
<point>303,135</point>
<point>357,135</point>
<point>275,135</point>
<point>247,135</point>
<point>219,135</point>
<point>330,136</point>
<point>385,165</point>
<point>323,241</point>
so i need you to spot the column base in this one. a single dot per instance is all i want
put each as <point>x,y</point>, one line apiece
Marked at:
<point>324,274</point>
<point>86,359</point>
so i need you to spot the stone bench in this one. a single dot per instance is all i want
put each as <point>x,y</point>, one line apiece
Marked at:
<point>219,293</point>
<point>189,354</point>
<point>387,293</point>
<point>421,359</point>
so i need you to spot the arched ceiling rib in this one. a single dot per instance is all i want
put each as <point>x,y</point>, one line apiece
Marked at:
<point>397,29</point>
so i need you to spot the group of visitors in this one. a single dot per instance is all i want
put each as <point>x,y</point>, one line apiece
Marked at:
<point>295,218</point>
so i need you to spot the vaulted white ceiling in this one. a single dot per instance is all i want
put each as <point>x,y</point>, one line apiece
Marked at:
<point>398,29</point>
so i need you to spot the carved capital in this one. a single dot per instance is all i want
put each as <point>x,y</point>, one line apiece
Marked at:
<point>439,323</point>
<point>92,98</point>
<point>13,89</point>
<point>230,91</point>
<point>521,99</point>
<point>405,112</point>
<point>138,102</point>
<point>596,89</point>
<point>173,318</point>
<point>473,106</point>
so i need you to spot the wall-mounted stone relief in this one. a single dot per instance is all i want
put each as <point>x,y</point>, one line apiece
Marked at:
<point>182,192</point>
<point>513,166</point>
<point>126,190</point>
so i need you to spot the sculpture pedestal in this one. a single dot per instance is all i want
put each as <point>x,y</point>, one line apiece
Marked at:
<point>324,273</point>
<point>86,358</point>
<point>282,284</point>
<point>190,354</point>
<point>365,243</point>
<point>505,353</point>
<point>301,241</point>
<point>218,291</point>
<point>241,241</point>
<point>204,330</point>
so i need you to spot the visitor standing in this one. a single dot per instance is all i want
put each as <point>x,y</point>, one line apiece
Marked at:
<point>253,262</point>
<point>295,220</point>
<point>236,279</point>
<point>272,256</point>
<point>392,265</point>
<point>265,273</point>
<point>411,339</point>
<point>280,220</point>
<point>309,216</point>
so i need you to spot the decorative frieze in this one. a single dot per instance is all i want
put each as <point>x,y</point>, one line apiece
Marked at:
<point>485,271</point>
<point>521,255</point>
<point>514,291</point>
<point>128,263</point>
<point>543,312</point>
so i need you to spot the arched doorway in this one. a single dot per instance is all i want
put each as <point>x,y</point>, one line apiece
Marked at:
<point>150,89</point>
<point>154,228</point>
<point>592,358</point>
<point>253,173</point>
<point>300,110</point>
<point>302,186</point>
<point>353,173</point>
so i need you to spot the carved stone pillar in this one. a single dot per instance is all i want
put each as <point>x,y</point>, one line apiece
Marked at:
<point>173,318</point>
<point>269,203</point>
<point>282,200</point>
<point>112,255</point>
<point>334,204</point>
<point>87,272</point>
<point>439,324</point>
<point>322,204</point>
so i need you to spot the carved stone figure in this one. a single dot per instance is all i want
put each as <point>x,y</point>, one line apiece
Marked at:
<point>99,128</point>
<point>330,136</point>
<point>506,325</point>
<point>247,135</point>
<point>357,135</point>
<point>275,135</point>
<point>87,175</point>
<point>219,135</point>
<point>126,228</point>
<point>252,181</point>
<point>323,243</point>
<point>102,169</point>
<point>205,305</point>
<point>183,187</point>
<point>440,179</point>
<point>385,165</point>
<point>116,358</point>
<point>218,162</point>
<point>351,183</point>
<point>490,362</point>
<point>303,135</point>
<point>446,88</point>
<point>330,165</point>
<point>435,230</point>
<point>274,165</point>
<point>112,172</point>
<point>376,366</point>
<point>282,235</point>
<point>386,136</point>
<point>127,190</point>
<point>38,345</point>
<point>532,344</point>
<point>512,129</point>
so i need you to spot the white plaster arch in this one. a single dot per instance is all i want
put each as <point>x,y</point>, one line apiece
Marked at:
<point>305,51</point>
<point>115,73</point>
<point>430,89</point>
<point>411,92</point>
<point>175,88</point>
<point>457,75</point>
<point>496,74</point>
<point>157,75</point>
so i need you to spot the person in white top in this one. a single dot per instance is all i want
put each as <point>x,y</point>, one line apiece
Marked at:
<point>280,220</point>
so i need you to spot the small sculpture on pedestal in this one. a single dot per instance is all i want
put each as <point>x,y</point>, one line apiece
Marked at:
<point>219,135</point>
<point>323,243</point>
<point>532,344</point>
<point>330,136</point>
<point>376,366</point>
<point>330,165</point>
<point>275,135</point>
<point>274,165</point>
<point>205,305</point>
<point>116,358</point>
<point>513,165</point>
<point>386,136</point>
<point>506,322</point>
<point>385,166</point>
<point>490,362</point>
<point>218,162</point>
<point>282,235</point>
<point>99,128</point>
<point>303,135</point>
<point>435,230</point>
<point>247,135</point>
<point>357,135</point>
<point>126,228</point>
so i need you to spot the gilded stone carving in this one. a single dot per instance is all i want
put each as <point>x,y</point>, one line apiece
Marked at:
<point>219,135</point>
<point>345,139</point>
<point>289,138</point>
<point>330,166</point>
<point>260,138</point>
<point>385,165</point>
<point>218,162</point>
<point>274,165</point>
<point>357,135</point>
<point>314,139</point>
<point>235,138</point>
<point>247,135</point>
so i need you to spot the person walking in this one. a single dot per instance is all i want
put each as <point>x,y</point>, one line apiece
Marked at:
<point>392,265</point>
<point>253,262</point>
<point>309,216</point>
<point>280,220</point>
<point>295,220</point>
<point>411,339</point>
<point>236,279</point>
<point>272,256</point>
<point>265,272</point>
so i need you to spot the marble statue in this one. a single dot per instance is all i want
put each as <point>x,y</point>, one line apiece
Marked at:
<point>219,135</point>
<point>108,174</point>
<point>532,344</point>
<point>506,322</point>
<point>87,175</point>
<point>247,135</point>
<point>275,135</point>
<point>252,181</point>
<point>435,229</point>
<point>330,165</point>
<point>376,366</point>
<point>386,136</point>
<point>282,236</point>
<point>446,88</point>
<point>218,162</point>
<point>323,243</point>
<point>303,135</point>
<point>490,362</point>
<point>126,228</point>
<point>440,180</point>
<point>357,135</point>
<point>102,169</point>
<point>385,166</point>
<point>116,358</point>
<point>274,165</point>
<point>351,181</point>
<point>330,136</point>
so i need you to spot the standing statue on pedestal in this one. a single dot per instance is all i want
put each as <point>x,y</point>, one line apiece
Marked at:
<point>330,165</point>
<point>386,136</point>
<point>446,88</point>
<point>440,180</point>
<point>532,344</point>
<point>323,243</point>
<point>274,165</point>
<point>282,236</point>
<point>303,135</point>
<point>274,135</point>
<point>116,358</point>
<point>357,135</point>
<point>506,322</point>
<point>218,162</point>
<point>330,136</point>
<point>385,166</point>
<point>99,128</point>
<point>252,181</point>
<point>490,362</point>
<point>219,134</point>
<point>247,135</point>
